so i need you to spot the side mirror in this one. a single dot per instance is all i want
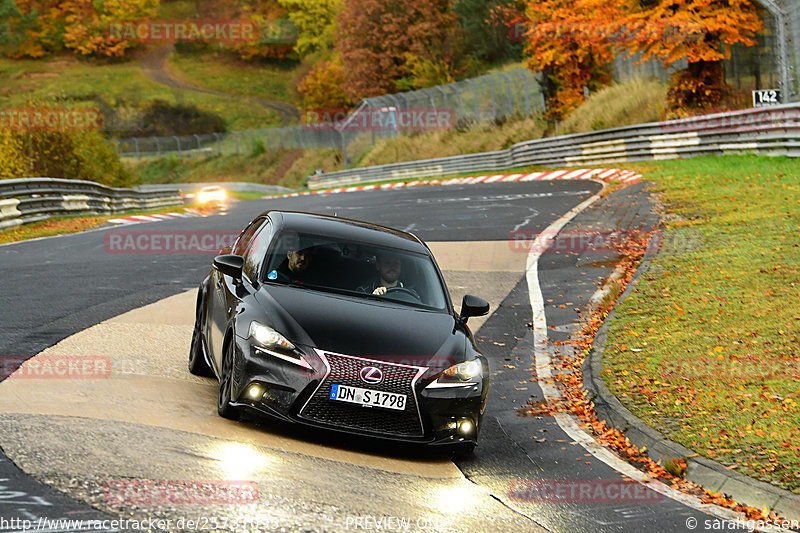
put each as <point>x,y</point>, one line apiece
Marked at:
<point>473,306</point>
<point>230,265</point>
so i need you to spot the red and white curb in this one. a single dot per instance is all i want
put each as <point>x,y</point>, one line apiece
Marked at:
<point>607,174</point>
<point>138,219</point>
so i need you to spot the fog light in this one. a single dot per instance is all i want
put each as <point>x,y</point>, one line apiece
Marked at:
<point>254,392</point>
<point>465,426</point>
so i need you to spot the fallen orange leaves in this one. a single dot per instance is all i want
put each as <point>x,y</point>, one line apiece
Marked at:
<point>576,401</point>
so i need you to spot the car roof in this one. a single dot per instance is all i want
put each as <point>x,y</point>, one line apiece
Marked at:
<point>347,229</point>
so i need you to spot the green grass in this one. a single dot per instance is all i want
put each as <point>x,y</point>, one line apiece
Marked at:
<point>622,104</point>
<point>220,71</point>
<point>74,224</point>
<point>706,347</point>
<point>63,80</point>
<point>274,167</point>
<point>246,195</point>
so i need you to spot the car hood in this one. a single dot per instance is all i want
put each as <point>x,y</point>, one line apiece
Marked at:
<point>362,327</point>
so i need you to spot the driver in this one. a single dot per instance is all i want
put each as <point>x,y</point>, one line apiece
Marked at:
<point>389,267</point>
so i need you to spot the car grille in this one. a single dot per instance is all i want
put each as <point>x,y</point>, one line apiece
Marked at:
<point>345,370</point>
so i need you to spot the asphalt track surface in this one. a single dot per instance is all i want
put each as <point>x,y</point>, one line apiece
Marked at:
<point>54,288</point>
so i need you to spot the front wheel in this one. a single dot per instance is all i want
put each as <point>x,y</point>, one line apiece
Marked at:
<point>224,407</point>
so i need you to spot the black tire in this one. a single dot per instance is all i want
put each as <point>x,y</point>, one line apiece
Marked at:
<point>224,407</point>
<point>197,363</point>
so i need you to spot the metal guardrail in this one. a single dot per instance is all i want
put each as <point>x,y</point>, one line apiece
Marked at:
<point>772,131</point>
<point>238,186</point>
<point>33,199</point>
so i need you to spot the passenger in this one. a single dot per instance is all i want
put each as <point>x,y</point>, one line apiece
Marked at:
<point>299,265</point>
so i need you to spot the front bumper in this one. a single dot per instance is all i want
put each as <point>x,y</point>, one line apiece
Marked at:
<point>298,392</point>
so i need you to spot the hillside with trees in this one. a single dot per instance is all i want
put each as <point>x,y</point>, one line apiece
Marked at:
<point>312,54</point>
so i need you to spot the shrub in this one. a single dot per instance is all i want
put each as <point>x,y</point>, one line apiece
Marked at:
<point>12,162</point>
<point>71,155</point>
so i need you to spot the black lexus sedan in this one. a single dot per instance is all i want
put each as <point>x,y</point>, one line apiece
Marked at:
<point>340,324</point>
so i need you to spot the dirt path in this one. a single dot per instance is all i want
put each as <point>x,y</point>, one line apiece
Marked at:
<point>153,66</point>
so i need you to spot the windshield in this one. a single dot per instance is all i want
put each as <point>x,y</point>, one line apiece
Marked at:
<point>358,269</point>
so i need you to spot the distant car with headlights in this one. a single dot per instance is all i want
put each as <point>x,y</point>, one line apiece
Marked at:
<point>295,324</point>
<point>211,195</point>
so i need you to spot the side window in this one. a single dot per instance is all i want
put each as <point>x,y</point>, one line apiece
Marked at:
<point>243,241</point>
<point>257,249</point>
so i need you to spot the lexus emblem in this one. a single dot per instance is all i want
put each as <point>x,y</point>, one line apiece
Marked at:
<point>371,375</point>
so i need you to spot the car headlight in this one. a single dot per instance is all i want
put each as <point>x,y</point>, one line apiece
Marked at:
<point>211,196</point>
<point>460,375</point>
<point>269,338</point>
<point>268,341</point>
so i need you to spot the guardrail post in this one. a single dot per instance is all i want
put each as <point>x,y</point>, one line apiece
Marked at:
<point>197,137</point>
<point>180,154</point>
<point>158,146</point>
<point>219,146</point>
<point>136,147</point>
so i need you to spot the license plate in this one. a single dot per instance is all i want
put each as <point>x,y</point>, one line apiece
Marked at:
<point>367,397</point>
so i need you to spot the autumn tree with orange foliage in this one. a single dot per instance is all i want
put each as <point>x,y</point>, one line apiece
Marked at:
<point>277,35</point>
<point>323,87</point>
<point>391,45</point>
<point>697,31</point>
<point>49,26</point>
<point>572,42</point>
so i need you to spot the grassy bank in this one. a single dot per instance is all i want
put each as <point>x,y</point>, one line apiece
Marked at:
<point>63,225</point>
<point>706,347</point>
<point>224,72</point>
<point>618,105</point>
<point>65,79</point>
